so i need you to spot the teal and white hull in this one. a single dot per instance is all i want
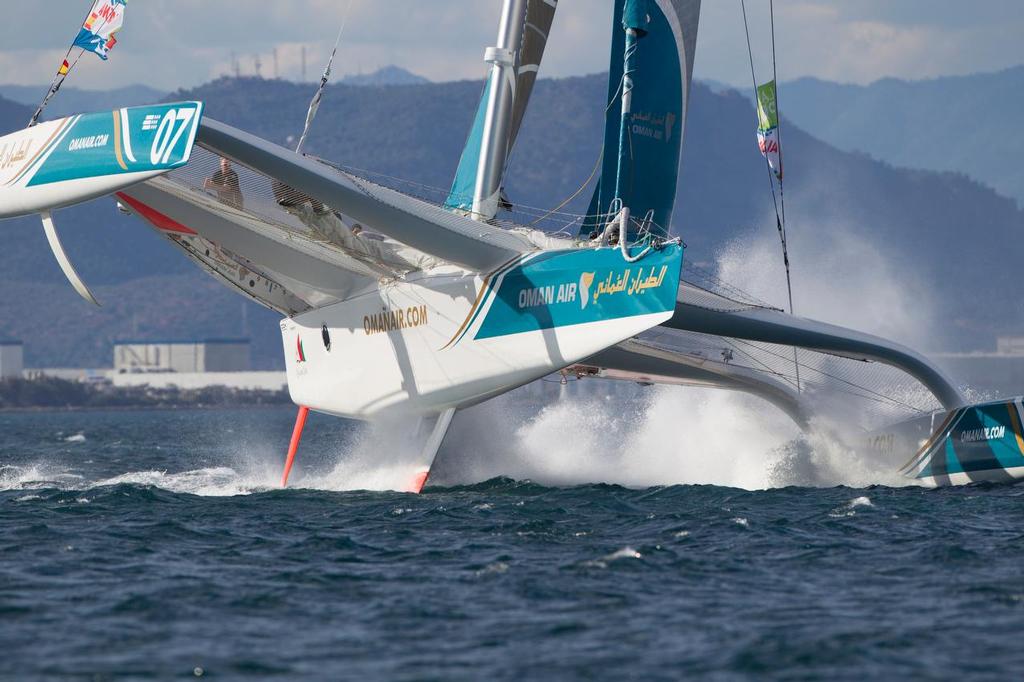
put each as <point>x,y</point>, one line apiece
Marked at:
<point>973,444</point>
<point>451,339</point>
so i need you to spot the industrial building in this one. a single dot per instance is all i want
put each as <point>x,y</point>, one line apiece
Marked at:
<point>12,359</point>
<point>181,356</point>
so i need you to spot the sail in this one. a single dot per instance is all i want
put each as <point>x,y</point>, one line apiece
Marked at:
<point>461,195</point>
<point>540,15</point>
<point>642,171</point>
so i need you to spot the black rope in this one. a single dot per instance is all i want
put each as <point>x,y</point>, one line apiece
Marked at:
<point>780,217</point>
<point>782,191</point>
<point>775,78</point>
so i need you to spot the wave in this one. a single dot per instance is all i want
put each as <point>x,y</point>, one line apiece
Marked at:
<point>672,436</point>
<point>663,436</point>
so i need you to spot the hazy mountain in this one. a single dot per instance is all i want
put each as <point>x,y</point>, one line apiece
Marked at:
<point>947,239</point>
<point>72,100</point>
<point>388,75</point>
<point>967,124</point>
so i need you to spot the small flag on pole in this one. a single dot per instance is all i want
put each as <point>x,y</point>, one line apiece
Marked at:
<point>96,35</point>
<point>768,126</point>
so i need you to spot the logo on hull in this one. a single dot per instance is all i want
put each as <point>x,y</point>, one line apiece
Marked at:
<point>987,433</point>
<point>388,320</point>
<point>586,280</point>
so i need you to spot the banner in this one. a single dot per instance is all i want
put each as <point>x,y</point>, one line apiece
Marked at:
<point>97,33</point>
<point>768,127</point>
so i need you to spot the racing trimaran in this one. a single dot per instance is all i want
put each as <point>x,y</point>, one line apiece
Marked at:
<point>395,305</point>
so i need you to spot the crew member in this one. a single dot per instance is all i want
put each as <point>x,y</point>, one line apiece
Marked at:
<point>289,197</point>
<point>224,183</point>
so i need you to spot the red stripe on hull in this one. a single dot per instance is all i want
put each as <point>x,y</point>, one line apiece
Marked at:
<point>159,220</point>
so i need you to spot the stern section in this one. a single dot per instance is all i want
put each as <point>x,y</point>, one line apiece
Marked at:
<point>973,444</point>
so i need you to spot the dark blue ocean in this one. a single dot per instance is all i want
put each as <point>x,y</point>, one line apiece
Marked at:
<point>155,545</point>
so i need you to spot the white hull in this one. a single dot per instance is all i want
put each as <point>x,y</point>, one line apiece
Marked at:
<point>369,373</point>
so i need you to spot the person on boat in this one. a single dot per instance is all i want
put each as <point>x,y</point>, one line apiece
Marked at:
<point>289,197</point>
<point>325,224</point>
<point>613,236</point>
<point>224,182</point>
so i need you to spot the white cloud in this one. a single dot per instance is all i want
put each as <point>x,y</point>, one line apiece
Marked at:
<point>172,43</point>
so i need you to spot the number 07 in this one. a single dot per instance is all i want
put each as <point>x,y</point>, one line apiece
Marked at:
<point>166,137</point>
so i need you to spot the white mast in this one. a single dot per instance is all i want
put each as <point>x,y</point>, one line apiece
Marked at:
<point>498,119</point>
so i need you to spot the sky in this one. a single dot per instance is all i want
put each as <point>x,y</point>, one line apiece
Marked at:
<point>169,44</point>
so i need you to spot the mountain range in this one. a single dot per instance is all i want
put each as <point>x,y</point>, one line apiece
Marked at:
<point>962,124</point>
<point>941,240</point>
<point>72,100</point>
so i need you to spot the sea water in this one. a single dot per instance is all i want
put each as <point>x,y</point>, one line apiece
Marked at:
<point>581,540</point>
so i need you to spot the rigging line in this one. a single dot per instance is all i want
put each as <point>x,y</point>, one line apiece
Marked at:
<point>775,77</point>
<point>731,343</point>
<point>780,221</point>
<point>600,158</point>
<point>55,85</point>
<point>575,194</point>
<point>782,190</point>
<point>882,400</point>
<point>829,375</point>
<point>314,106</point>
<point>59,79</point>
<point>753,80</point>
<point>368,175</point>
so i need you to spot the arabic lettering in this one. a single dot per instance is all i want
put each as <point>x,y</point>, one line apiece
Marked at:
<point>632,286</point>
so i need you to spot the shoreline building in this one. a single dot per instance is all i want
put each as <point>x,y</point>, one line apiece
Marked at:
<point>182,356</point>
<point>189,364</point>
<point>12,359</point>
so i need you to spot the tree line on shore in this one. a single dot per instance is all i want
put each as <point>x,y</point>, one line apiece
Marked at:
<point>51,392</point>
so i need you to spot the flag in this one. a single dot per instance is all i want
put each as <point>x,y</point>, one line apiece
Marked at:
<point>768,127</point>
<point>97,33</point>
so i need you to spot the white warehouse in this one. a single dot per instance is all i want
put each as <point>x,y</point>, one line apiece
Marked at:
<point>181,356</point>
<point>12,359</point>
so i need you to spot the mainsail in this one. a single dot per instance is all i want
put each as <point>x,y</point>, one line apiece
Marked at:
<point>540,14</point>
<point>641,151</point>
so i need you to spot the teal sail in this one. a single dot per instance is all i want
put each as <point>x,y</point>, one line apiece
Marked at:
<point>540,15</point>
<point>653,45</point>
<point>461,196</point>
